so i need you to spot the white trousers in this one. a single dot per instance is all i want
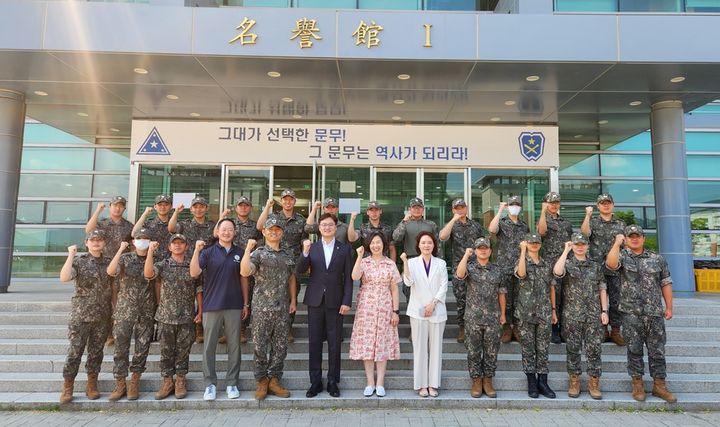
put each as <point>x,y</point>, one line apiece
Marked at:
<point>427,341</point>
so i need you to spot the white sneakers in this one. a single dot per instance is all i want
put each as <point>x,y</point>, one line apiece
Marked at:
<point>369,390</point>
<point>380,391</point>
<point>232,392</point>
<point>210,392</point>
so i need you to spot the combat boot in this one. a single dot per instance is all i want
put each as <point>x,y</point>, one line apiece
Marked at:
<point>616,337</point>
<point>660,390</point>
<point>574,385</point>
<point>532,385</point>
<point>91,390</point>
<point>67,394</point>
<point>544,388</point>
<point>291,337</point>
<point>461,334</point>
<point>119,391</point>
<point>515,334</point>
<point>134,386</point>
<point>476,389</point>
<point>166,389</point>
<point>180,387</point>
<point>606,334</point>
<point>488,387</point>
<point>261,388</point>
<point>199,334</point>
<point>594,387</point>
<point>555,336</point>
<point>276,388</point>
<point>638,389</point>
<point>507,334</point>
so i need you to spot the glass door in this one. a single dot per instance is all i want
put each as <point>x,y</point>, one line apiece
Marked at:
<point>393,190</point>
<point>440,188</point>
<point>253,183</point>
<point>302,180</point>
<point>347,183</point>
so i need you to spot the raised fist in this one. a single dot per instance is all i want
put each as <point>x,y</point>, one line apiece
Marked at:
<point>456,217</point>
<point>72,250</point>
<point>317,205</point>
<point>153,247</point>
<point>251,243</point>
<point>407,217</point>
<point>180,208</point>
<point>588,210</point>
<point>270,202</point>
<point>100,207</point>
<point>544,206</point>
<point>523,245</point>
<point>568,246</point>
<point>124,245</point>
<point>306,246</point>
<point>353,216</point>
<point>502,206</point>
<point>199,245</point>
<point>148,210</point>
<point>360,251</point>
<point>225,213</point>
<point>403,257</point>
<point>619,239</point>
<point>468,252</point>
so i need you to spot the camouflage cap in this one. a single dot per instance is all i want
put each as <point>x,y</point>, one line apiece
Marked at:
<point>579,239</point>
<point>373,205</point>
<point>273,222</point>
<point>605,197</point>
<point>118,199</point>
<point>551,197</point>
<point>200,200</point>
<point>243,199</point>
<point>95,235</point>
<point>162,198</point>
<point>330,202</point>
<point>178,236</point>
<point>142,233</point>
<point>533,238</point>
<point>481,242</point>
<point>514,200</point>
<point>288,192</point>
<point>458,202</point>
<point>416,201</point>
<point>634,229</point>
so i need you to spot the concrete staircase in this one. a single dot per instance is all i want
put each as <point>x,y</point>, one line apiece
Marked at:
<point>33,346</point>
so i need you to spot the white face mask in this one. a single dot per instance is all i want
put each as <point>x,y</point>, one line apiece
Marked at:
<point>514,210</point>
<point>141,244</point>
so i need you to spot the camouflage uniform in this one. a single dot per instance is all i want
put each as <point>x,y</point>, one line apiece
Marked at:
<point>581,286</point>
<point>271,321</point>
<point>245,231</point>
<point>293,234</point>
<point>533,312</point>
<point>405,234</point>
<point>509,236</point>
<point>462,236</point>
<point>482,325</point>
<point>175,314</point>
<point>642,278</point>
<point>559,231</point>
<point>159,233</point>
<point>341,232</point>
<point>602,237</point>
<point>90,313</point>
<point>195,231</point>
<point>367,229</point>
<point>134,312</point>
<point>115,232</point>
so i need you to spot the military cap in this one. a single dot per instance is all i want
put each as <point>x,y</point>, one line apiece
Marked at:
<point>243,199</point>
<point>533,238</point>
<point>416,201</point>
<point>118,199</point>
<point>178,236</point>
<point>605,197</point>
<point>288,192</point>
<point>373,205</point>
<point>95,234</point>
<point>142,233</point>
<point>160,198</point>
<point>551,197</point>
<point>481,242</point>
<point>458,202</point>
<point>634,229</point>
<point>329,201</point>
<point>579,239</point>
<point>273,222</point>
<point>200,200</point>
<point>514,200</point>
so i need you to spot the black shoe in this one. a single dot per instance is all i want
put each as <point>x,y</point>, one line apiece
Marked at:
<point>532,386</point>
<point>333,389</point>
<point>555,337</point>
<point>544,388</point>
<point>314,390</point>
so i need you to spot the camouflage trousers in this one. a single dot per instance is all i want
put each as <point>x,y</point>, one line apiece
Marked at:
<point>86,334</point>
<point>482,343</point>
<point>511,285</point>
<point>175,344</point>
<point>123,331</point>
<point>460,291</point>
<point>587,331</point>
<point>613,291</point>
<point>647,331</point>
<point>534,344</point>
<point>270,331</point>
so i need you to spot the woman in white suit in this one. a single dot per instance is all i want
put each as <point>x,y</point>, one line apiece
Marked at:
<point>427,276</point>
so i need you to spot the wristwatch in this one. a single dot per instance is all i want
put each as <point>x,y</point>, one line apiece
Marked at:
<point>396,312</point>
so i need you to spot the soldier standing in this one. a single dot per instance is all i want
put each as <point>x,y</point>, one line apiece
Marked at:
<point>330,206</point>
<point>158,226</point>
<point>535,310</point>
<point>644,279</point>
<point>90,314</point>
<point>555,231</point>
<point>485,314</point>
<point>374,225</point>
<point>510,231</point>
<point>177,293</point>
<point>407,230</point>
<point>585,295</point>
<point>275,301</point>
<point>135,304</point>
<point>463,231</point>
<point>602,231</point>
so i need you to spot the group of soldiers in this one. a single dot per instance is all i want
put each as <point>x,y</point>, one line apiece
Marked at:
<point>552,285</point>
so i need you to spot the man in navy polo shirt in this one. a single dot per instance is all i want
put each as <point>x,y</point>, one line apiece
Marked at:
<point>225,293</point>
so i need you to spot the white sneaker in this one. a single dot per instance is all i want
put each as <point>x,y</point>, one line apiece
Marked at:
<point>369,390</point>
<point>209,392</point>
<point>232,392</point>
<point>380,391</point>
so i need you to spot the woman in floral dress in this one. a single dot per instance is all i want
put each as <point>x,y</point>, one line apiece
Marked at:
<point>375,335</point>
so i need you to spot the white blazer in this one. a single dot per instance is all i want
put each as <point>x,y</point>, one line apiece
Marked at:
<point>425,288</point>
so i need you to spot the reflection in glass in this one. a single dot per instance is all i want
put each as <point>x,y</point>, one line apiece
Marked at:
<point>579,164</point>
<point>441,188</point>
<point>705,244</point>
<point>349,183</point>
<point>298,178</point>
<point>651,5</point>
<point>51,185</point>
<point>251,183</point>
<point>57,159</point>
<point>67,212</point>
<point>576,190</point>
<point>30,212</point>
<point>705,218</point>
<point>107,186</point>
<point>630,191</point>
<point>112,160</point>
<point>38,133</point>
<point>48,239</point>
<point>586,5</point>
<point>704,191</point>
<point>394,191</point>
<point>626,165</point>
<point>168,179</point>
<point>37,266</point>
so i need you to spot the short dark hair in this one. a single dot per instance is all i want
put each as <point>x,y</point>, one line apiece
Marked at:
<point>219,223</point>
<point>368,239</point>
<point>432,236</point>
<point>325,216</point>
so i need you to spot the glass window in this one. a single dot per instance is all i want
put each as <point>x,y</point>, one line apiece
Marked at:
<point>440,189</point>
<point>112,160</point>
<point>112,141</point>
<point>349,183</point>
<point>579,164</point>
<point>586,5</point>
<point>626,165</point>
<point>37,266</point>
<point>703,166</point>
<point>57,159</point>
<point>38,133</point>
<point>699,6</point>
<point>705,218</point>
<point>394,191</point>
<point>491,186</point>
<point>201,180</point>
<point>298,178</point>
<point>452,4</point>
<point>111,185</point>
<point>67,212</point>
<point>326,4</point>
<point>585,191</point>
<point>639,142</point>
<point>702,141</point>
<point>251,183</point>
<point>704,191</point>
<point>30,212</point>
<point>48,239</point>
<point>651,5</point>
<point>51,185</point>
<point>394,5</point>
<point>630,191</point>
<point>705,244</point>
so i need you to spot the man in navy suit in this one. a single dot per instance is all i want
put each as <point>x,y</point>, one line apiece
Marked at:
<point>328,297</point>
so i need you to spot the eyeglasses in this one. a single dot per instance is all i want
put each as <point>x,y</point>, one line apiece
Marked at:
<point>327,225</point>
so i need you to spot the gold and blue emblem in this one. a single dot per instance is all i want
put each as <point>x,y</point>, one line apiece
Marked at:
<point>532,145</point>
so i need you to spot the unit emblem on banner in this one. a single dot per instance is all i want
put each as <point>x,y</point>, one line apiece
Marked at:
<point>154,144</point>
<point>532,145</point>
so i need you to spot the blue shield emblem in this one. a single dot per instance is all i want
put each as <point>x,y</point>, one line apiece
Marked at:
<point>532,145</point>
<point>154,144</point>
